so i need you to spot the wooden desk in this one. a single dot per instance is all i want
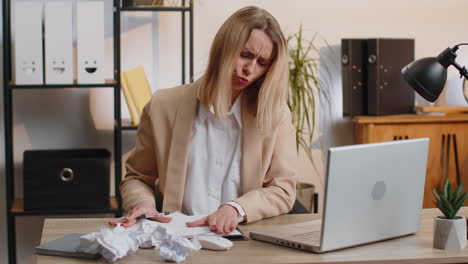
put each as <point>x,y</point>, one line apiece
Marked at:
<point>410,249</point>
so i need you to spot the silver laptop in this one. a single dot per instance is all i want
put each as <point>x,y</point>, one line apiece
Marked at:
<point>373,192</point>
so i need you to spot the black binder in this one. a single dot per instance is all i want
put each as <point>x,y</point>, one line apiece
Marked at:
<point>372,80</point>
<point>387,92</point>
<point>353,68</point>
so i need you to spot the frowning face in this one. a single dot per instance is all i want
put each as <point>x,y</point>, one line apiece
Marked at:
<point>253,61</point>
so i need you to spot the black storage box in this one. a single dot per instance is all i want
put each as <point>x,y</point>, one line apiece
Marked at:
<point>66,179</point>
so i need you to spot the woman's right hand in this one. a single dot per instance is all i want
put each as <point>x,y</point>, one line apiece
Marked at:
<point>142,208</point>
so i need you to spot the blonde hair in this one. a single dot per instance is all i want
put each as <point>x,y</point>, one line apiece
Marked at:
<point>267,96</point>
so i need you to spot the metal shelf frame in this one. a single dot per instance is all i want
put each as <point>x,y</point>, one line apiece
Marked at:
<point>9,87</point>
<point>183,9</point>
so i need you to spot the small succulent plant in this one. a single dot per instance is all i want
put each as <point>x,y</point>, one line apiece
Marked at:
<point>449,200</point>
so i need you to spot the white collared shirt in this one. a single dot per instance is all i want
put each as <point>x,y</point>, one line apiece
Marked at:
<point>213,169</point>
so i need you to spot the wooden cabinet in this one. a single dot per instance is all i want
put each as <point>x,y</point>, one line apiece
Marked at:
<point>448,146</point>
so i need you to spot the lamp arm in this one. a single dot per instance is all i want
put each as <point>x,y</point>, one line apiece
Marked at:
<point>461,69</point>
<point>458,45</point>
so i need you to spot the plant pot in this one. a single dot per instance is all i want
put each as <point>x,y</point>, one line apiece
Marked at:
<point>449,233</point>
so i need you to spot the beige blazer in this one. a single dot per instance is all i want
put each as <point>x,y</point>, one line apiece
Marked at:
<point>268,166</point>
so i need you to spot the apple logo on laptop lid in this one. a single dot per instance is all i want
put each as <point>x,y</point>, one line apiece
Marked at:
<point>379,190</point>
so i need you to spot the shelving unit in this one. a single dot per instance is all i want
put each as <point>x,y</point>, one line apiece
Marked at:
<point>15,206</point>
<point>106,84</point>
<point>18,209</point>
<point>183,9</point>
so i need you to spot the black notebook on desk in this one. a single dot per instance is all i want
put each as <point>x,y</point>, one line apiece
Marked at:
<point>65,246</point>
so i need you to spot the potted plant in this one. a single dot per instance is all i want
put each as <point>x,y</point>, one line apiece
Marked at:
<point>305,92</point>
<point>450,229</point>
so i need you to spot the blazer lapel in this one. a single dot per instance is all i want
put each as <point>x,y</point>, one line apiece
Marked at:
<point>251,151</point>
<point>178,153</point>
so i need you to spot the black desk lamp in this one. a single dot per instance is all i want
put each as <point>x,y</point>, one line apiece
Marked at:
<point>427,76</point>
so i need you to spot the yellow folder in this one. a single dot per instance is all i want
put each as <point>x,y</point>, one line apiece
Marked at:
<point>128,98</point>
<point>137,92</point>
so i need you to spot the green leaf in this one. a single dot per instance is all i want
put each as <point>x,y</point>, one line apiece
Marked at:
<point>458,191</point>
<point>436,196</point>
<point>446,186</point>
<point>459,202</point>
<point>448,207</point>
<point>449,192</point>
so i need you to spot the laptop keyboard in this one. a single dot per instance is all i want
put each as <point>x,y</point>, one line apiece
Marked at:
<point>313,236</point>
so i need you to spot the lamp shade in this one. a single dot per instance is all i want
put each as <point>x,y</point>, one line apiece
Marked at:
<point>427,76</point>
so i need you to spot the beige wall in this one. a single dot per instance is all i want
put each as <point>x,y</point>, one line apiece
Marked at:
<point>434,24</point>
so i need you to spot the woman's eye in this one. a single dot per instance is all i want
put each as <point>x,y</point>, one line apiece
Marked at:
<point>262,63</point>
<point>244,55</point>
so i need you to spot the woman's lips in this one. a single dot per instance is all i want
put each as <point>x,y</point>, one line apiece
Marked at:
<point>242,80</point>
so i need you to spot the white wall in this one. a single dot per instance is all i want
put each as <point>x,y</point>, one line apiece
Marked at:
<point>434,24</point>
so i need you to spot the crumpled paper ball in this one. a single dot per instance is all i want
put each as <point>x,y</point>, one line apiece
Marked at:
<point>118,242</point>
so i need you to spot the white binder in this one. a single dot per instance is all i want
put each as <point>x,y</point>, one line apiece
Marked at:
<point>90,41</point>
<point>58,29</point>
<point>28,43</point>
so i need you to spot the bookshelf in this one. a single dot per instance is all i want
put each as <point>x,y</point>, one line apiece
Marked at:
<point>15,206</point>
<point>185,8</point>
<point>106,84</point>
<point>18,209</point>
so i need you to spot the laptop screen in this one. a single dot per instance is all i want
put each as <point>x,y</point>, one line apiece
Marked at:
<point>373,192</point>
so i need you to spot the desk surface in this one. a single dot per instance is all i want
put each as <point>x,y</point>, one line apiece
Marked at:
<point>409,249</point>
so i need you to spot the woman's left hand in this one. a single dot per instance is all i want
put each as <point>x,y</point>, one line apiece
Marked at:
<point>222,222</point>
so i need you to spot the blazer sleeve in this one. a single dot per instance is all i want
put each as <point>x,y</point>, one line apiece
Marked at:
<point>139,181</point>
<point>278,194</point>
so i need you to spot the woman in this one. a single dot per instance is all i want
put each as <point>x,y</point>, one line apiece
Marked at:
<point>223,146</point>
